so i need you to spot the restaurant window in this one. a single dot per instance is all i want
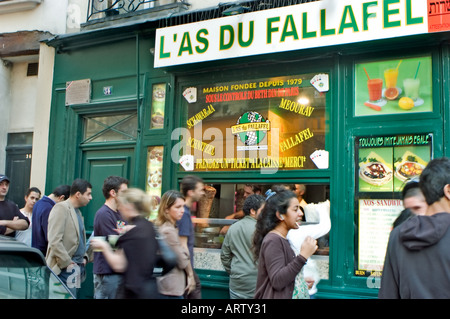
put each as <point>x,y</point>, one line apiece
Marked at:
<point>268,124</point>
<point>260,126</point>
<point>222,206</point>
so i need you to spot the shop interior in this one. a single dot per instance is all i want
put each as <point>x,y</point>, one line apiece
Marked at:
<point>222,206</point>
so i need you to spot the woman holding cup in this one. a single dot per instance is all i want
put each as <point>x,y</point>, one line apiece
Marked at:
<point>136,250</point>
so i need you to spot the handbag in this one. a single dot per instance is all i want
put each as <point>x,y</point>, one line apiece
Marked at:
<point>166,259</point>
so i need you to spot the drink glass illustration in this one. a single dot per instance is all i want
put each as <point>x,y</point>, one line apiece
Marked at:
<point>390,76</point>
<point>411,87</point>
<point>375,87</point>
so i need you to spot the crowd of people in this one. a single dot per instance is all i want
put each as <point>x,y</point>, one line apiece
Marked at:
<point>123,246</point>
<point>266,252</point>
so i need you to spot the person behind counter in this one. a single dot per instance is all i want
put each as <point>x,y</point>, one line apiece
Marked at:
<point>181,278</point>
<point>278,265</point>
<point>300,190</point>
<point>249,189</point>
<point>235,255</point>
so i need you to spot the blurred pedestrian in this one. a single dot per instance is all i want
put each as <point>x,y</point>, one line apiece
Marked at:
<point>277,263</point>
<point>236,255</point>
<point>108,222</point>
<point>192,188</point>
<point>417,261</point>
<point>66,253</point>
<point>11,219</point>
<point>136,249</point>
<point>39,218</point>
<point>32,195</point>
<point>180,279</point>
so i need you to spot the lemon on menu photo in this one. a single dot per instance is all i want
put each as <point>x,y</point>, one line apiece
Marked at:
<point>406,103</point>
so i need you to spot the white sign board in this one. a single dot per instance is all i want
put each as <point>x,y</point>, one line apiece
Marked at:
<point>376,218</point>
<point>302,26</point>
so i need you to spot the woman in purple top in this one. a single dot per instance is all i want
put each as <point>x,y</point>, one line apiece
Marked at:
<point>277,263</point>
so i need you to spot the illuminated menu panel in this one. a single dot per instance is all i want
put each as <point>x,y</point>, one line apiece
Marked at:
<point>270,123</point>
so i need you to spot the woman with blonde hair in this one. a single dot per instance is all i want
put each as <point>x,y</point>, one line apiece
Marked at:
<point>181,278</point>
<point>136,252</point>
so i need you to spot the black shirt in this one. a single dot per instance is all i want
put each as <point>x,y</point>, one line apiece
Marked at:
<point>140,248</point>
<point>9,210</point>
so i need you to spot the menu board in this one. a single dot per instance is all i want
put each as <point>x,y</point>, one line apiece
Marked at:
<point>375,224</point>
<point>384,164</point>
<point>393,86</point>
<point>269,123</point>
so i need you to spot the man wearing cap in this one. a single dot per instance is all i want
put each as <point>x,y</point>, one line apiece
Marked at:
<point>10,217</point>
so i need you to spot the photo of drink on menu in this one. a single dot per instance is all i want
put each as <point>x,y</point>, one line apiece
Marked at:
<point>393,86</point>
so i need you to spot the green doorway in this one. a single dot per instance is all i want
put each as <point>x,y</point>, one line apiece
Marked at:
<point>97,165</point>
<point>108,148</point>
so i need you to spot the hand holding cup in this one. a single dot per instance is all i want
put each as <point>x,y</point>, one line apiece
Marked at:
<point>308,247</point>
<point>99,243</point>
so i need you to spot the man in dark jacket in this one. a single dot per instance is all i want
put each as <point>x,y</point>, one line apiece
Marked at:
<point>41,211</point>
<point>417,263</point>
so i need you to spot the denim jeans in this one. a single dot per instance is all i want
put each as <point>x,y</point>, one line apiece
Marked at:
<point>105,286</point>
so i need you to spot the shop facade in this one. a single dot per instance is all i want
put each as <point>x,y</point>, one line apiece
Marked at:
<point>248,100</point>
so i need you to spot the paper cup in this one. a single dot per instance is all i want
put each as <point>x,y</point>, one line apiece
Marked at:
<point>99,238</point>
<point>112,239</point>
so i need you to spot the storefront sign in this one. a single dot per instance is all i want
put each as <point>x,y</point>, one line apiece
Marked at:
<point>438,15</point>
<point>296,27</point>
